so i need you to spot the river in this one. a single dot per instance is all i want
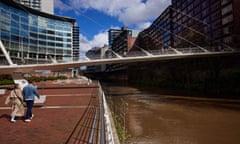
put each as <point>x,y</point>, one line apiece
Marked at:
<point>158,118</point>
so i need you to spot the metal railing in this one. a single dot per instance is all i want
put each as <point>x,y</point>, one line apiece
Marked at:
<point>106,127</point>
<point>94,126</point>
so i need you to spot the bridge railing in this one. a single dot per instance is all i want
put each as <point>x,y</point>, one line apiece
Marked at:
<point>164,51</point>
<point>134,54</point>
<point>110,55</point>
<point>190,50</point>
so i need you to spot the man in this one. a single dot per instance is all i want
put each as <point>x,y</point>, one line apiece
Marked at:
<point>29,92</point>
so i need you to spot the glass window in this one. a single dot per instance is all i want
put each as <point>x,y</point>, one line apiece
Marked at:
<point>227,19</point>
<point>5,26</point>
<point>227,39</point>
<point>226,30</point>
<point>5,35</point>
<point>14,38</point>
<point>24,27</point>
<point>51,44</point>
<point>33,41</point>
<point>51,38</point>
<point>227,9</point>
<point>33,35</point>
<point>14,24</point>
<point>5,13</point>
<point>223,2</point>
<point>33,29</point>
<point>23,33</point>
<point>15,30</point>
<point>42,42</point>
<point>15,17</point>
<point>42,36</point>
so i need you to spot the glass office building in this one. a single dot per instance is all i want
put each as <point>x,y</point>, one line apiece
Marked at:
<point>31,36</point>
<point>159,34</point>
<point>211,23</point>
<point>35,4</point>
<point>40,5</point>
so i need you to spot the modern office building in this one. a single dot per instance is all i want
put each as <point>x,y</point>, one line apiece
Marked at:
<point>122,45</point>
<point>40,5</point>
<point>112,34</point>
<point>158,35</point>
<point>31,36</point>
<point>97,53</point>
<point>212,24</point>
<point>208,23</point>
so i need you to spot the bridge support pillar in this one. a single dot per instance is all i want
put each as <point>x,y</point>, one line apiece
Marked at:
<point>5,53</point>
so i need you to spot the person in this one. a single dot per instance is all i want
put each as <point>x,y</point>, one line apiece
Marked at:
<point>15,98</point>
<point>29,92</point>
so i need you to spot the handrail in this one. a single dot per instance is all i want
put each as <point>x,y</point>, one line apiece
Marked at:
<point>105,121</point>
<point>91,139</point>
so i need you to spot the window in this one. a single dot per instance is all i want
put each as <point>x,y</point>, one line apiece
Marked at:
<point>227,30</point>
<point>227,39</point>
<point>227,9</point>
<point>225,2</point>
<point>227,19</point>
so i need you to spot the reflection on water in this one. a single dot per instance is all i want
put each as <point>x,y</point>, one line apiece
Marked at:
<point>155,118</point>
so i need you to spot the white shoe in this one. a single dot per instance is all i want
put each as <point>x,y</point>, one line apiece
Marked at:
<point>27,120</point>
<point>32,117</point>
<point>12,120</point>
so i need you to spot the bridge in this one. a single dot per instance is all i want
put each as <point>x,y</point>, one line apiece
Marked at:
<point>132,57</point>
<point>141,55</point>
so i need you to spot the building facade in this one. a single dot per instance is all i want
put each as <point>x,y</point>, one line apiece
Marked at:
<point>122,45</point>
<point>158,35</point>
<point>31,36</point>
<point>212,24</point>
<point>40,5</point>
<point>97,53</point>
<point>207,23</point>
<point>113,34</point>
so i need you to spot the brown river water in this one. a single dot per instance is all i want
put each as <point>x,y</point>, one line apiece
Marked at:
<point>156,118</point>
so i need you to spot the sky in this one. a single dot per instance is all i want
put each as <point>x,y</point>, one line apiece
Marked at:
<point>96,17</point>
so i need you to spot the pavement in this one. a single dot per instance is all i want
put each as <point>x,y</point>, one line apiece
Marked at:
<point>69,108</point>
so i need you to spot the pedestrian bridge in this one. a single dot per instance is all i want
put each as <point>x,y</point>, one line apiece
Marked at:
<point>132,57</point>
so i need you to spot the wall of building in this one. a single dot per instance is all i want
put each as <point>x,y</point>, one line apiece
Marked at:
<point>33,37</point>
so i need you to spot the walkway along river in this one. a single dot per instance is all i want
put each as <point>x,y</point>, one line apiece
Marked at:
<point>157,118</point>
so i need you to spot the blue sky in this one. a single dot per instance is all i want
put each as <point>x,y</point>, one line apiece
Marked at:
<point>96,17</point>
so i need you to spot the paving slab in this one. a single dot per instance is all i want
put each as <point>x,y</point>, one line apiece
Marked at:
<point>53,121</point>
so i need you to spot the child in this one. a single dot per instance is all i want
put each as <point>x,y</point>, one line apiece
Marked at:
<point>16,101</point>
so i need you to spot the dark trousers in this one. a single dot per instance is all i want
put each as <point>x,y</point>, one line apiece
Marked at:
<point>29,109</point>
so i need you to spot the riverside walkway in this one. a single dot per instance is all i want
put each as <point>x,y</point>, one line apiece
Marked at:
<point>68,116</point>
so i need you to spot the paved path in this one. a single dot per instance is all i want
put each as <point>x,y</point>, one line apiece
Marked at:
<point>54,121</point>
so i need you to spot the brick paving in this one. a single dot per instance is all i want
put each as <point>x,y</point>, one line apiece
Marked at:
<point>54,121</point>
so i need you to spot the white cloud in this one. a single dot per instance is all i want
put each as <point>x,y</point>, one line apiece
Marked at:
<point>61,6</point>
<point>99,40</point>
<point>137,13</point>
<point>144,25</point>
<point>129,12</point>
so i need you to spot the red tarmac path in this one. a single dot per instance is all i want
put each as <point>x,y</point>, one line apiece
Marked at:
<point>54,121</point>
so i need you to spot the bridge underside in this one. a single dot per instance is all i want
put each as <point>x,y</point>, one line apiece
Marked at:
<point>11,69</point>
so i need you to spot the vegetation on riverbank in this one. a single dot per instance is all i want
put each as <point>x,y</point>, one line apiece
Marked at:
<point>7,79</point>
<point>119,113</point>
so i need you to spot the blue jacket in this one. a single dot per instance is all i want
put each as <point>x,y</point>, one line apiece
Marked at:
<point>29,91</point>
